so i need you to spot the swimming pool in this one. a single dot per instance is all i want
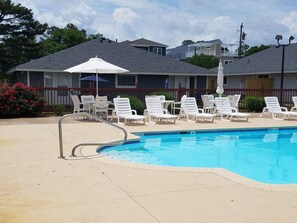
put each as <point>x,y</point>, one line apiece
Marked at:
<point>265,155</point>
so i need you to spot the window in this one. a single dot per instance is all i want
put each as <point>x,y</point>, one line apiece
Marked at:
<point>227,61</point>
<point>126,81</point>
<point>62,82</point>
<point>263,76</point>
<point>157,50</point>
<point>225,80</point>
<point>49,79</point>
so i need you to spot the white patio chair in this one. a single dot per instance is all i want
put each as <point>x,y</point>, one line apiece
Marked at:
<point>224,109</point>
<point>273,107</point>
<point>192,112</point>
<point>101,107</point>
<point>122,110</point>
<point>155,111</point>
<point>208,103</point>
<point>88,102</point>
<point>294,98</point>
<point>77,105</point>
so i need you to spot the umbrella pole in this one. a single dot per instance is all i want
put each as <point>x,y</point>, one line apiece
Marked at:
<point>96,83</point>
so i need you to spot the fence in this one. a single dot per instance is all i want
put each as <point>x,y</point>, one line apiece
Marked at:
<point>54,96</point>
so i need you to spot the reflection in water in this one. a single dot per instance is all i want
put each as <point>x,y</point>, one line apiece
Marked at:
<point>293,139</point>
<point>270,137</point>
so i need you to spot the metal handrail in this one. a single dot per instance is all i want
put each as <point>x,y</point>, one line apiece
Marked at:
<point>115,143</point>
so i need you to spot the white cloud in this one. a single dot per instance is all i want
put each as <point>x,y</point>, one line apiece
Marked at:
<point>124,15</point>
<point>172,21</point>
<point>290,21</point>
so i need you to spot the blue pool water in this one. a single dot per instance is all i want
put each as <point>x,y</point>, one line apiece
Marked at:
<point>268,156</point>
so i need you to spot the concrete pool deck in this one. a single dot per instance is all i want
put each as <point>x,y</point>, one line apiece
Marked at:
<point>37,186</point>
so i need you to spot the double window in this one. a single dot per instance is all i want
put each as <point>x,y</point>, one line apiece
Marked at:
<point>157,50</point>
<point>126,81</point>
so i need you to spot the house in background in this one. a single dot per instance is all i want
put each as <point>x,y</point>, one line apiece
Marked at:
<point>148,45</point>
<point>225,52</point>
<point>146,69</point>
<point>262,70</point>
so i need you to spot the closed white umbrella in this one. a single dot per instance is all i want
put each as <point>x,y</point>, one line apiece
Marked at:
<point>220,79</point>
<point>96,65</point>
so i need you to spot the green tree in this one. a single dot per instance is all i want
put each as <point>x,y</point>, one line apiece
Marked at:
<point>202,60</point>
<point>254,49</point>
<point>18,34</point>
<point>187,42</point>
<point>58,39</point>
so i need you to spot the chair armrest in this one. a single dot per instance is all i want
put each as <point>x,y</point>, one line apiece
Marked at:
<point>165,111</point>
<point>234,109</point>
<point>200,110</point>
<point>284,109</point>
<point>134,111</point>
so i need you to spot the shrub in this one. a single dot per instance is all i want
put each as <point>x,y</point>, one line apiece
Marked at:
<point>254,104</point>
<point>19,101</point>
<point>58,110</point>
<point>167,95</point>
<point>136,104</point>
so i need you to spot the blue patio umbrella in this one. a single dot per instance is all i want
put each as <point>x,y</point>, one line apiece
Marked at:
<point>93,78</point>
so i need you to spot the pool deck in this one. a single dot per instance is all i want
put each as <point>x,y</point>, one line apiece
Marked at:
<point>37,186</point>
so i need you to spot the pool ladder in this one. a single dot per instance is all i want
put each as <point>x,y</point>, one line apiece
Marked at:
<point>115,143</point>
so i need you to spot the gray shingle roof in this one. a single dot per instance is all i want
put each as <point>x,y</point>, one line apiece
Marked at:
<point>178,53</point>
<point>135,60</point>
<point>145,42</point>
<point>265,62</point>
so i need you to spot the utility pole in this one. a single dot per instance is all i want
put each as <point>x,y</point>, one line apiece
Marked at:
<point>240,41</point>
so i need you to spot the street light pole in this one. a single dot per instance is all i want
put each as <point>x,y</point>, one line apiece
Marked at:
<point>278,38</point>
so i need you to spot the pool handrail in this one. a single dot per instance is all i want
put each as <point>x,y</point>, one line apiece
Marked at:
<point>115,143</point>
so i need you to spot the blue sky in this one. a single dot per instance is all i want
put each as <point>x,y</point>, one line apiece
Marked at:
<point>172,21</point>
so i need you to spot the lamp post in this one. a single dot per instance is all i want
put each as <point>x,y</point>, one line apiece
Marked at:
<point>278,38</point>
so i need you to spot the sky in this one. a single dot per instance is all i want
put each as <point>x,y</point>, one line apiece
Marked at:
<point>172,21</point>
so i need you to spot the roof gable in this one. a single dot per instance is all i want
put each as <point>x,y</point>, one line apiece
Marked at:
<point>145,42</point>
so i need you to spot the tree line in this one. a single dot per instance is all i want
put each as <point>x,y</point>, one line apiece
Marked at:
<point>22,38</point>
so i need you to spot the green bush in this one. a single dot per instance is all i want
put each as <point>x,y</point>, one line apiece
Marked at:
<point>167,95</point>
<point>254,104</point>
<point>135,103</point>
<point>19,100</point>
<point>58,110</point>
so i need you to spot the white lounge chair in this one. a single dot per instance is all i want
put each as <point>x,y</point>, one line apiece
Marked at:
<point>191,110</point>
<point>156,112</point>
<point>273,107</point>
<point>122,110</point>
<point>295,103</point>
<point>223,107</point>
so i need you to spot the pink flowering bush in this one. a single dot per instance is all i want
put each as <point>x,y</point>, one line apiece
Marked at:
<point>19,100</point>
